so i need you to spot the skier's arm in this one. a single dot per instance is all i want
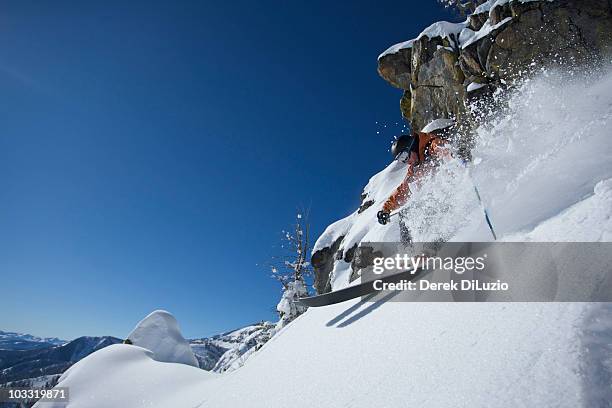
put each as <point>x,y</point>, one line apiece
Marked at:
<point>401,193</point>
<point>438,150</point>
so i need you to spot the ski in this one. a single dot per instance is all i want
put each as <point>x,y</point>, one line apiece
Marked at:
<point>356,291</point>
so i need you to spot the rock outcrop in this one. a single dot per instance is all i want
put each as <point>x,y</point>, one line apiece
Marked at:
<point>447,65</point>
<point>228,351</point>
<point>323,263</point>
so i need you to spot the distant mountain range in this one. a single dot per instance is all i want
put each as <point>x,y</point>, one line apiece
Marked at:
<point>19,341</point>
<point>33,359</point>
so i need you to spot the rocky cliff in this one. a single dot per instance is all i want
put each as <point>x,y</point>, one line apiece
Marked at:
<point>449,69</point>
<point>449,64</point>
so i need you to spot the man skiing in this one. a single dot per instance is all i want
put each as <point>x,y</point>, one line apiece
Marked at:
<point>420,151</point>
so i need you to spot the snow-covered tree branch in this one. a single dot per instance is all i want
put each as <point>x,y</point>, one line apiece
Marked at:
<point>292,269</point>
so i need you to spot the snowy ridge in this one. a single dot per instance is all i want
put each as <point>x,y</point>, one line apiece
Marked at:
<point>442,29</point>
<point>460,31</point>
<point>395,48</point>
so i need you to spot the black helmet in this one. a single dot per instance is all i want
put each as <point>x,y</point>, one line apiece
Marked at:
<point>403,143</point>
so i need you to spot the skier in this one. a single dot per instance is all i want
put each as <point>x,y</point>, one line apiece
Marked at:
<point>421,151</point>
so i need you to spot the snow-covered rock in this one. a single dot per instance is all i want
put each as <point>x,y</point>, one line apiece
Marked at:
<point>473,86</point>
<point>229,351</point>
<point>442,29</point>
<point>245,343</point>
<point>159,333</point>
<point>468,37</point>
<point>395,48</point>
<point>438,124</point>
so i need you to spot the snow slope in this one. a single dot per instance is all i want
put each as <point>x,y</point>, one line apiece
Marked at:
<point>372,354</point>
<point>159,333</point>
<point>129,376</point>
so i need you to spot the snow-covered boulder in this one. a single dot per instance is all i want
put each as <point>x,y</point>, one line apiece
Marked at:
<point>159,333</point>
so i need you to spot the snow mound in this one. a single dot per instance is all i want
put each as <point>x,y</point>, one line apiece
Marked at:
<point>128,376</point>
<point>159,333</point>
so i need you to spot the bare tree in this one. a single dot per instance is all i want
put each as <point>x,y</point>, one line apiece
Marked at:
<point>464,7</point>
<point>292,269</point>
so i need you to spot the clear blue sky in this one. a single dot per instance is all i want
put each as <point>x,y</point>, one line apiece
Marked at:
<point>152,152</point>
